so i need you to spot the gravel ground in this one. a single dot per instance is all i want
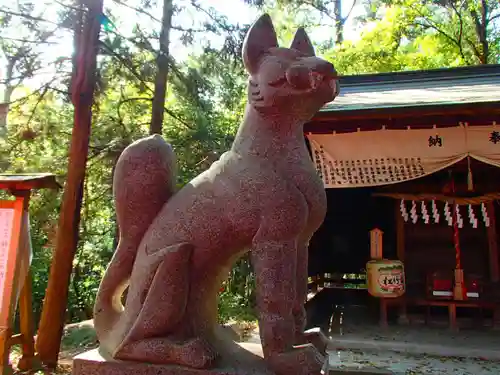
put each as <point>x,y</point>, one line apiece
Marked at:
<point>412,364</point>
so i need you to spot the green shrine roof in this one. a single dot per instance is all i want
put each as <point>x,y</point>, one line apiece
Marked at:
<point>464,85</point>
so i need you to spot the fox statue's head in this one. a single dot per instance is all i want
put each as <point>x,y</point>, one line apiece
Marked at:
<point>291,82</point>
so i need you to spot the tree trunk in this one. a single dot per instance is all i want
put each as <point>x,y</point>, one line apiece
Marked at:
<point>7,94</point>
<point>481,25</point>
<point>339,22</point>
<point>83,85</point>
<point>163,68</point>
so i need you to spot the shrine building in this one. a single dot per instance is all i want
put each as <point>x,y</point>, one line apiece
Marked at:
<point>416,156</point>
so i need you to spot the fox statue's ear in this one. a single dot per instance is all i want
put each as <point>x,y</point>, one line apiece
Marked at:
<point>302,43</point>
<point>259,39</point>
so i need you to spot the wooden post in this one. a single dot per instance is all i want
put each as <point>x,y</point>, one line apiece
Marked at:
<point>376,244</point>
<point>9,267</point>
<point>493,257</point>
<point>400,233</point>
<point>400,248</point>
<point>15,276</point>
<point>493,244</point>
<point>83,85</point>
<point>28,361</point>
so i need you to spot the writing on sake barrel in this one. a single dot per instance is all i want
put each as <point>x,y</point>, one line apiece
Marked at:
<point>386,278</point>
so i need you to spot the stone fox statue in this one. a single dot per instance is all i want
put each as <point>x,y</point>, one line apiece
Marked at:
<point>262,196</point>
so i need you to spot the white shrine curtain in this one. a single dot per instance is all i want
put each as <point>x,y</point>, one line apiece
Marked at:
<point>382,157</point>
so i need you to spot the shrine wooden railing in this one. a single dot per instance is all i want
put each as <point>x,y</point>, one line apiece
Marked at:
<point>347,281</point>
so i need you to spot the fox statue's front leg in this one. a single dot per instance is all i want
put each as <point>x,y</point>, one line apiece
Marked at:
<point>275,261</point>
<point>313,336</point>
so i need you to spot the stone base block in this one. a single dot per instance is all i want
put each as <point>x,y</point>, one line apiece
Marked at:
<point>242,361</point>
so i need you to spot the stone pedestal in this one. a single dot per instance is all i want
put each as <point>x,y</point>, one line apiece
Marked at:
<point>243,360</point>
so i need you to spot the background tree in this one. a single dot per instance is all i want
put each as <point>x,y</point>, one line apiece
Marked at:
<point>83,84</point>
<point>470,27</point>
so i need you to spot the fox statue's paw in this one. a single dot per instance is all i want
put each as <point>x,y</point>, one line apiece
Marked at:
<point>301,360</point>
<point>315,337</point>
<point>195,353</point>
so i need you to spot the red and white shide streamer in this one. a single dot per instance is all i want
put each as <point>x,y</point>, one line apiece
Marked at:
<point>413,212</point>
<point>486,218</point>
<point>448,213</point>
<point>425,214</point>
<point>404,212</point>
<point>460,221</point>
<point>435,212</point>
<point>472,217</point>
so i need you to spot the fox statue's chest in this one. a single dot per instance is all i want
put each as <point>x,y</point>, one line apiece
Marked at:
<point>308,182</point>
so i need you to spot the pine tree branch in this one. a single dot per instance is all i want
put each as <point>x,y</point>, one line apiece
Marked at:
<point>27,16</point>
<point>429,24</point>
<point>39,100</point>
<point>492,18</point>
<point>138,10</point>
<point>223,26</point>
<point>27,40</point>
<point>350,12</point>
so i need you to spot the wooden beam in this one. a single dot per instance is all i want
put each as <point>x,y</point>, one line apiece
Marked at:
<point>493,244</point>
<point>342,123</point>
<point>22,182</point>
<point>465,109</point>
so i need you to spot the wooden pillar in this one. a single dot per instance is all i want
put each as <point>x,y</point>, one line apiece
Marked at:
<point>29,360</point>
<point>400,248</point>
<point>493,258</point>
<point>15,288</point>
<point>493,244</point>
<point>7,302</point>
<point>5,335</point>
<point>383,313</point>
<point>400,233</point>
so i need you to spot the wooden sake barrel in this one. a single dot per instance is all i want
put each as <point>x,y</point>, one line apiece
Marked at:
<point>386,278</point>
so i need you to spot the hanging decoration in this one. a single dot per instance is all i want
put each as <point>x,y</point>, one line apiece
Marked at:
<point>463,201</point>
<point>413,212</point>
<point>447,214</point>
<point>435,212</point>
<point>459,291</point>
<point>486,219</point>
<point>393,156</point>
<point>470,180</point>
<point>460,221</point>
<point>425,214</point>
<point>404,212</point>
<point>472,217</point>
<point>451,212</point>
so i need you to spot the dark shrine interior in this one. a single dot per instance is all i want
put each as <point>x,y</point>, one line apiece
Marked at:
<point>342,244</point>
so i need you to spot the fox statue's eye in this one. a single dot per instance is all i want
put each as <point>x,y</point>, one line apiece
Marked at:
<point>299,77</point>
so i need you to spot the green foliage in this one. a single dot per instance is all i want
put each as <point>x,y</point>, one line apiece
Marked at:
<point>389,45</point>
<point>235,307</point>
<point>79,337</point>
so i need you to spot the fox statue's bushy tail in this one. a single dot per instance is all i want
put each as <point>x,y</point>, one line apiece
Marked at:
<point>148,169</point>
